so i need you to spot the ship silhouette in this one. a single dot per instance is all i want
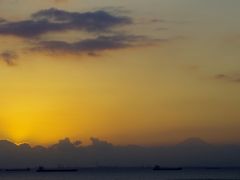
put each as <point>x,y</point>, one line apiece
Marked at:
<point>159,168</point>
<point>18,169</point>
<point>42,169</point>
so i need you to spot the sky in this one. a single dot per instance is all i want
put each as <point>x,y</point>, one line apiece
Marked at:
<point>130,72</point>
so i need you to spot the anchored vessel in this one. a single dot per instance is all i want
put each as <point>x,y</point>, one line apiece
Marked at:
<point>18,169</point>
<point>159,168</point>
<point>42,169</point>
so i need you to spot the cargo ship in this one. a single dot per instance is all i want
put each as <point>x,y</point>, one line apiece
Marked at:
<point>159,168</point>
<point>42,169</point>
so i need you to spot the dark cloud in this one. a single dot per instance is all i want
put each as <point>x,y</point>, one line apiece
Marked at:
<point>55,20</point>
<point>192,152</point>
<point>9,57</point>
<point>28,29</point>
<point>90,21</point>
<point>100,26</point>
<point>90,46</point>
<point>229,77</point>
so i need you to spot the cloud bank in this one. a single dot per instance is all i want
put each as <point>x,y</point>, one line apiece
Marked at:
<point>192,152</point>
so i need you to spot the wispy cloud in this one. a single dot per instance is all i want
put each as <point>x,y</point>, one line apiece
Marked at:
<point>61,1</point>
<point>228,77</point>
<point>90,46</point>
<point>9,57</point>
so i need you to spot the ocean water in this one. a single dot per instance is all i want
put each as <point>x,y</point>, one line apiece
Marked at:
<point>127,174</point>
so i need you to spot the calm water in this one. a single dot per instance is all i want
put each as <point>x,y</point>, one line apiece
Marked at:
<point>126,174</point>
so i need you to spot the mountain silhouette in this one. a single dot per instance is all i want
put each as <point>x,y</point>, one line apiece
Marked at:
<point>193,142</point>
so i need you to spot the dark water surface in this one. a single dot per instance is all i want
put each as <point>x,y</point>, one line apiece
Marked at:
<point>127,174</point>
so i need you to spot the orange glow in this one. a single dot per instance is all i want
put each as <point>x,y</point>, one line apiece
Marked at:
<point>160,92</point>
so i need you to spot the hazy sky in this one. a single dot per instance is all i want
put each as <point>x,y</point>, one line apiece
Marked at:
<point>129,71</point>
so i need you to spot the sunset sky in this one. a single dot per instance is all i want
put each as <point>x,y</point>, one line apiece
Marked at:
<point>146,72</point>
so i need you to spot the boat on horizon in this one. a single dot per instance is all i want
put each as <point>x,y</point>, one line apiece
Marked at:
<point>17,169</point>
<point>159,168</point>
<point>42,169</point>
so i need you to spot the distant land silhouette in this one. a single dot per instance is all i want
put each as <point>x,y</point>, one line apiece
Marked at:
<point>191,152</point>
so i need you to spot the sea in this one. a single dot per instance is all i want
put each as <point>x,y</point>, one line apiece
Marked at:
<point>126,174</point>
